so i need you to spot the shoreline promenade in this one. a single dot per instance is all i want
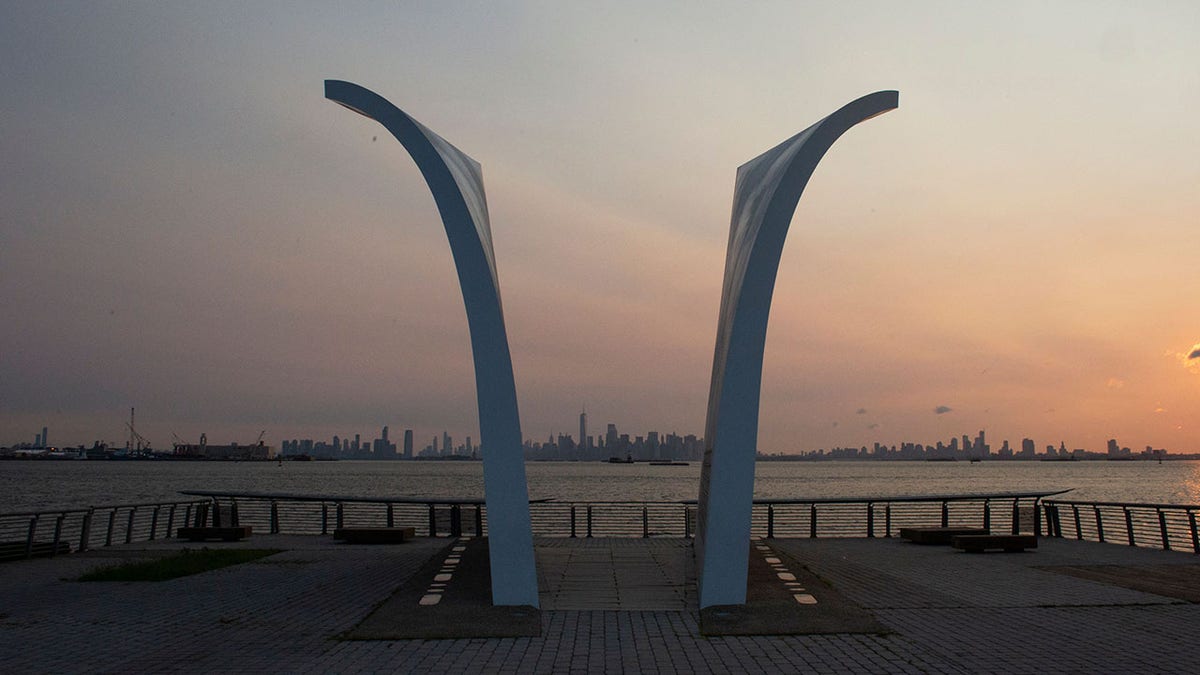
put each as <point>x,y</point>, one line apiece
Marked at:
<point>945,612</point>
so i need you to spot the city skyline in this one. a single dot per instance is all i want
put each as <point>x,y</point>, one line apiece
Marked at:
<point>1014,257</point>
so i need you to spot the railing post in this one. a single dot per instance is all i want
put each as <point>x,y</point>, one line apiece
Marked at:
<point>432,521</point>
<point>887,520</point>
<point>85,530</point>
<point>1016,517</point>
<point>1195,534</point>
<point>57,533</point>
<point>770,521</point>
<point>987,515</point>
<point>1078,527</point>
<point>154,522</point>
<point>216,512</point>
<point>112,519</point>
<point>479,520</point>
<point>945,513</point>
<point>870,519</point>
<point>1162,527</point>
<point>812,521</point>
<point>29,537</point>
<point>324,518</point>
<point>589,521</point>
<point>1099,524</point>
<point>340,516</point>
<point>645,522</point>
<point>1129,526</point>
<point>687,522</point>
<point>274,517</point>
<point>391,520</point>
<point>171,521</point>
<point>233,512</point>
<point>1037,519</point>
<point>455,520</point>
<point>572,521</point>
<point>129,526</point>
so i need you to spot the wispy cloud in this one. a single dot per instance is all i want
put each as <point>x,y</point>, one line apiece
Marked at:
<point>861,411</point>
<point>942,410</point>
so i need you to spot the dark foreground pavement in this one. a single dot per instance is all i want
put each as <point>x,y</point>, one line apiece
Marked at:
<point>623,605</point>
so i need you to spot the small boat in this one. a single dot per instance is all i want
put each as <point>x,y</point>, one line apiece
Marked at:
<point>617,460</point>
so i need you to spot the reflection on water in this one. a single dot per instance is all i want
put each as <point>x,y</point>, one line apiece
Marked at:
<point>36,485</point>
<point>1189,491</point>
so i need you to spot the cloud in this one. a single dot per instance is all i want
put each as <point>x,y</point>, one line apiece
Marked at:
<point>872,426</point>
<point>942,410</point>
<point>1190,359</point>
<point>861,411</point>
<point>1114,383</point>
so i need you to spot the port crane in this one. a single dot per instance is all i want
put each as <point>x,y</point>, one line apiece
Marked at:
<point>137,442</point>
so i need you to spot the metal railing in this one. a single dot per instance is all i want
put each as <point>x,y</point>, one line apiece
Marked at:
<point>54,532</point>
<point>1169,526</point>
<point>852,517</point>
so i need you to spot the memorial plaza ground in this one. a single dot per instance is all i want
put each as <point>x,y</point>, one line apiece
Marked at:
<point>614,605</point>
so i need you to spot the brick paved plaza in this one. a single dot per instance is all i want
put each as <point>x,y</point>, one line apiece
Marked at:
<point>950,612</point>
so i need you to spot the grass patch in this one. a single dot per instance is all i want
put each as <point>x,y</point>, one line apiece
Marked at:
<point>182,564</point>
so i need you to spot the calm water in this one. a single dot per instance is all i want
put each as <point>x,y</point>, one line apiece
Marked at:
<point>37,485</point>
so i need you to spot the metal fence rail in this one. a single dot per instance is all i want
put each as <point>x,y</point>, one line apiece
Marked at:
<point>38,533</point>
<point>25,535</point>
<point>855,517</point>
<point>1169,526</point>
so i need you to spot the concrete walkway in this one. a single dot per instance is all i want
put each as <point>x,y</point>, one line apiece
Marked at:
<point>951,612</point>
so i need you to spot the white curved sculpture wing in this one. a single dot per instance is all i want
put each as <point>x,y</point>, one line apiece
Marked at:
<point>767,190</point>
<point>456,182</point>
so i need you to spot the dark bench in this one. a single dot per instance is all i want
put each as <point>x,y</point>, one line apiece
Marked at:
<point>1009,542</point>
<point>374,535</point>
<point>939,536</point>
<point>232,533</point>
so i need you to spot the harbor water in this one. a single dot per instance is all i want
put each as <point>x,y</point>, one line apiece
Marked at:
<point>35,485</point>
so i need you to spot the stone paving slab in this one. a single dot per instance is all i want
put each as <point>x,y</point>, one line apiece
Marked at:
<point>992,613</point>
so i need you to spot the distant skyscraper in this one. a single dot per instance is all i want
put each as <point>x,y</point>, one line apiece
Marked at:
<point>385,432</point>
<point>583,429</point>
<point>447,444</point>
<point>408,443</point>
<point>45,435</point>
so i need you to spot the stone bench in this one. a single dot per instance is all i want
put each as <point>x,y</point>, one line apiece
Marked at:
<point>374,535</point>
<point>979,543</point>
<point>939,536</point>
<point>232,533</point>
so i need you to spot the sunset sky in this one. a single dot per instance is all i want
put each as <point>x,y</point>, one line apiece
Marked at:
<point>188,227</point>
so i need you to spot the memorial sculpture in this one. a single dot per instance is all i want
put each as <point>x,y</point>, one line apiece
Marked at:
<point>456,182</point>
<point>766,192</point>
